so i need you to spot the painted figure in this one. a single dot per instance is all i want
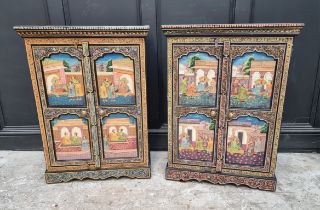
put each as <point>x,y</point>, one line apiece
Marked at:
<point>235,144</point>
<point>212,86</point>
<point>85,143</point>
<point>191,90</point>
<point>201,85</point>
<point>123,87</point>
<point>104,88</point>
<point>66,139</point>
<point>113,135</point>
<point>184,141</point>
<point>235,87</point>
<point>242,93</point>
<point>184,85</point>
<point>111,91</point>
<point>72,89</point>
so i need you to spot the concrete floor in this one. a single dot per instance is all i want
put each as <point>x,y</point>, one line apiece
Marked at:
<point>22,186</point>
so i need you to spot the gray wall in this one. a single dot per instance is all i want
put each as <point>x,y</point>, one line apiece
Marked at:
<point>18,121</point>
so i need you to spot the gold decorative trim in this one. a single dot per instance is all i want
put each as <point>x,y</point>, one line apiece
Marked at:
<point>268,184</point>
<point>82,31</point>
<point>139,173</point>
<point>233,29</point>
<point>45,113</point>
<point>273,39</point>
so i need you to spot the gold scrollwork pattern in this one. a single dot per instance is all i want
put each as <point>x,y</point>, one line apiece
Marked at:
<point>279,47</point>
<point>141,173</point>
<point>77,41</point>
<point>252,182</point>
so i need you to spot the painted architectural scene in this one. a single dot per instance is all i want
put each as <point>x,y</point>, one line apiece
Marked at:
<point>119,136</point>
<point>63,80</point>
<point>71,138</point>
<point>246,141</point>
<point>115,75</point>
<point>198,79</point>
<point>196,137</point>
<point>252,81</point>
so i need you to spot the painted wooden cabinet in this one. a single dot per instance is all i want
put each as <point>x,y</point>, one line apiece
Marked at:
<point>90,89</point>
<point>226,90</point>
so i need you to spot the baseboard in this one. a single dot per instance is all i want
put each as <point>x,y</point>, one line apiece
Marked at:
<point>294,137</point>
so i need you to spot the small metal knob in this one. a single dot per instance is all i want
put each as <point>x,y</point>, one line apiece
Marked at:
<point>83,113</point>
<point>213,113</point>
<point>101,112</point>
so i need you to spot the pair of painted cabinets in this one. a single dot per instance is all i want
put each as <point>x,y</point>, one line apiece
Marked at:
<point>226,90</point>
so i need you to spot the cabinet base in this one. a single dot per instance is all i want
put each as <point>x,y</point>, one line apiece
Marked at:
<point>219,178</point>
<point>66,176</point>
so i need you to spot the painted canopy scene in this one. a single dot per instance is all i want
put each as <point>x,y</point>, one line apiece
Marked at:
<point>63,80</point>
<point>252,81</point>
<point>246,141</point>
<point>196,137</point>
<point>198,79</point>
<point>115,75</point>
<point>119,136</point>
<point>71,138</point>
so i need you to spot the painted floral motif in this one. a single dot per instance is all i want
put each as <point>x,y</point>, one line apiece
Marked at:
<point>63,80</point>
<point>119,136</point>
<point>196,137</point>
<point>115,75</point>
<point>252,81</point>
<point>71,138</point>
<point>246,141</point>
<point>197,79</point>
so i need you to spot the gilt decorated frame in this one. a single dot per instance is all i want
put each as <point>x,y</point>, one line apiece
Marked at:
<point>275,40</point>
<point>82,37</point>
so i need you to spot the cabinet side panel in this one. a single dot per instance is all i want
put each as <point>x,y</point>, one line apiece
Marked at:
<point>280,105</point>
<point>37,99</point>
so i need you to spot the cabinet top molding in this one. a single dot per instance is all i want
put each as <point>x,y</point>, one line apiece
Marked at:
<point>82,31</point>
<point>234,29</point>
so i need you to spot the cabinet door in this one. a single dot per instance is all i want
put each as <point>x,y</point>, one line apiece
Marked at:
<point>255,74</point>
<point>193,100</point>
<point>119,80</point>
<point>62,89</point>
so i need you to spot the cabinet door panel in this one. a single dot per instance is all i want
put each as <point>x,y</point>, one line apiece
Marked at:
<point>61,81</point>
<point>71,137</point>
<point>246,141</point>
<point>117,77</point>
<point>119,133</point>
<point>196,69</point>
<point>252,81</point>
<point>115,80</point>
<point>253,94</point>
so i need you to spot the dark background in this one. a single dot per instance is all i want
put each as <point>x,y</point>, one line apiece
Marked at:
<point>18,119</point>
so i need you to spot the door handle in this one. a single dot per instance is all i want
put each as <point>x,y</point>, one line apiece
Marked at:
<point>101,112</point>
<point>83,113</point>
